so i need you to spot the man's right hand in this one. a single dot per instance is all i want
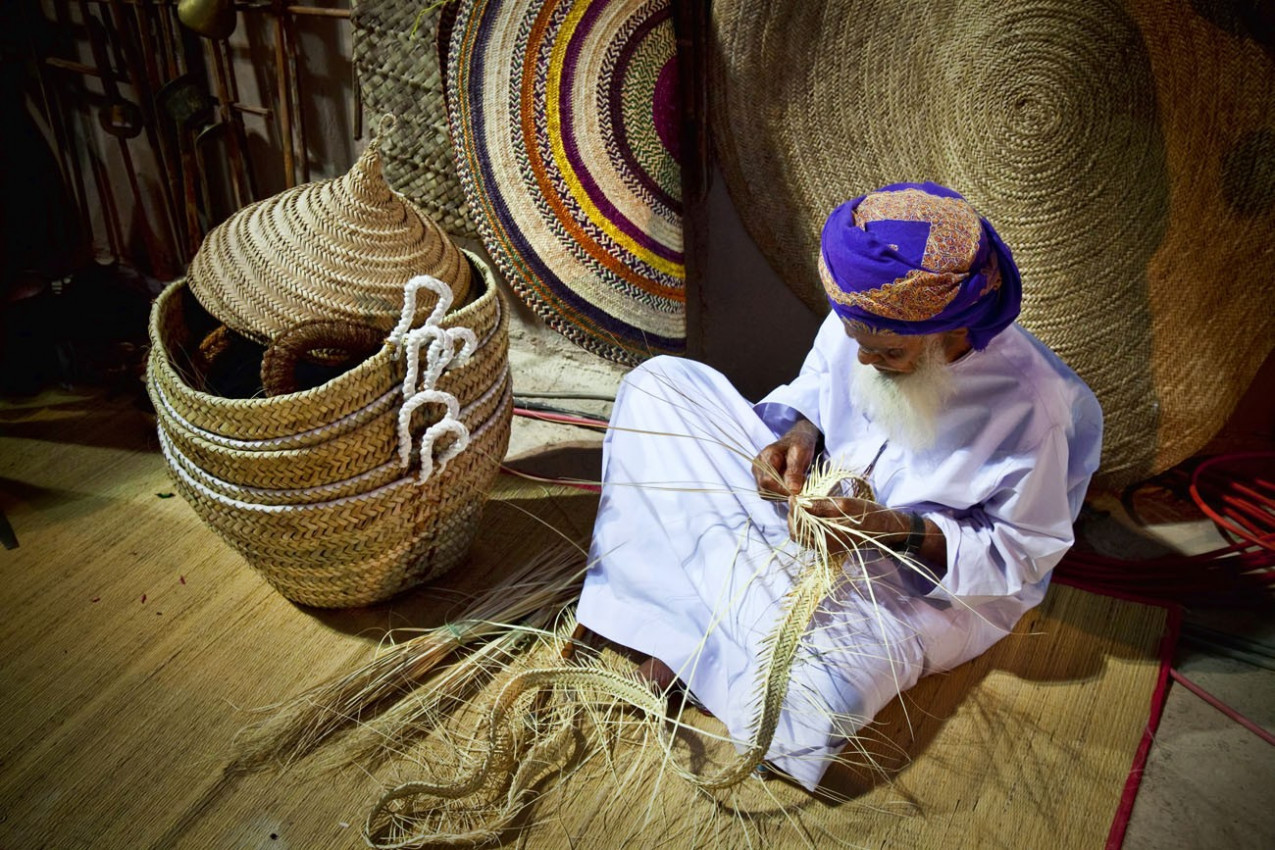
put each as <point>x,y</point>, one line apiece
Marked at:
<point>781,467</point>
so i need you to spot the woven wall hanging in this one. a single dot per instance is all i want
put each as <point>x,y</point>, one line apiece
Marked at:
<point>396,56</point>
<point>565,120</point>
<point>1124,150</point>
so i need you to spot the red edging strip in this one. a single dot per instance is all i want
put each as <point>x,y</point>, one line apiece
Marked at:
<point>1168,642</point>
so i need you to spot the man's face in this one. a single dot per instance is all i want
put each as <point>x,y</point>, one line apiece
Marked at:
<point>901,383</point>
<point>894,355</point>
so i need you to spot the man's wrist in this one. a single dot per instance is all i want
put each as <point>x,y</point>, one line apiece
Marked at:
<point>807,428</point>
<point>914,536</point>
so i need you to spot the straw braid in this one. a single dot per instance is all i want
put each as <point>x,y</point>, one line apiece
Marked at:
<point>500,758</point>
<point>781,648</point>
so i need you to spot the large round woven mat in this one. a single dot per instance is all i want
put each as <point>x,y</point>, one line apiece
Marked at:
<point>397,59</point>
<point>565,120</point>
<point>1126,152</point>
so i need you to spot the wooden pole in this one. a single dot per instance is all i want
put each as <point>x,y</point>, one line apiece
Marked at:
<point>138,65</point>
<point>318,11</point>
<point>285,112</point>
<point>242,197</point>
<point>298,105</point>
<point>160,260</point>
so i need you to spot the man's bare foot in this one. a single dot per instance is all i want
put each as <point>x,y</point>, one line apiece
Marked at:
<point>655,672</point>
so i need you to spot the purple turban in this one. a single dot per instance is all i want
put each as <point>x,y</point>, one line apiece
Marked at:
<point>915,258</point>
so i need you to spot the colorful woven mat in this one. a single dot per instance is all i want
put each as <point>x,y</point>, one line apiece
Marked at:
<point>565,120</point>
<point>1125,150</point>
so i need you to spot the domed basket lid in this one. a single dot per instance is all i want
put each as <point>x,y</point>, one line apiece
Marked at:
<point>332,249</point>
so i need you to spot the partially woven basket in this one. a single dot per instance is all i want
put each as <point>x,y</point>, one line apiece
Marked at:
<point>333,249</point>
<point>328,493</point>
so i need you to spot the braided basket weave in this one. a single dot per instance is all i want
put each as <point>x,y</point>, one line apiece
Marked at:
<point>311,487</point>
<point>397,58</point>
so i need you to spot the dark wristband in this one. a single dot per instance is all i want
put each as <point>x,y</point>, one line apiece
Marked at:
<point>916,535</point>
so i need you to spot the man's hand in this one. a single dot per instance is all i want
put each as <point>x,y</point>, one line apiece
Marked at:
<point>780,468</point>
<point>857,517</point>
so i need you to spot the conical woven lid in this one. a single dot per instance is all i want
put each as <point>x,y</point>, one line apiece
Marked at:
<point>333,249</point>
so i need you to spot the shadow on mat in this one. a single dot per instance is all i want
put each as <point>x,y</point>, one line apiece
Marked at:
<point>1067,641</point>
<point>511,532</point>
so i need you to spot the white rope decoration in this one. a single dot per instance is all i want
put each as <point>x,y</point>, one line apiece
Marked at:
<point>235,496</point>
<point>418,388</point>
<point>330,430</point>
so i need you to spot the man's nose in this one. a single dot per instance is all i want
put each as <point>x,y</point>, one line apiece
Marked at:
<point>868,358</point>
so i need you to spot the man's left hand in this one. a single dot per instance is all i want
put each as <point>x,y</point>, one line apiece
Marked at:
<point>857,517</point>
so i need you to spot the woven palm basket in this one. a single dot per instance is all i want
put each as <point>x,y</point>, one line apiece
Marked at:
<point>1125,150</point>
<point>312,488</point>
<point>335,433</point>
<point>397,58</point>
<point>332,249</point>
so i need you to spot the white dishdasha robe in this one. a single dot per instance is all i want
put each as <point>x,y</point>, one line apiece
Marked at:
<point>691,565</point>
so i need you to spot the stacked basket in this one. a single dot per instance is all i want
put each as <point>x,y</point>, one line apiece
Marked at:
<point>348,492</point>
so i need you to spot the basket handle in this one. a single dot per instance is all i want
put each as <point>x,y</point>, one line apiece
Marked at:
<point>326,342</point>
<point>440,347</point>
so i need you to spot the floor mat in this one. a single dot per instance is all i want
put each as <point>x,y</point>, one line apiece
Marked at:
<point>136,644</point>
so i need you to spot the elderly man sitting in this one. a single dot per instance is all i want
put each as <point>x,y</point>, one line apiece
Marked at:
<point>977,442</point>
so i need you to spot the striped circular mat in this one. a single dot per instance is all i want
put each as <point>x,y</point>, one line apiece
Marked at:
<point>565,119</point>
<point>1125,149</point>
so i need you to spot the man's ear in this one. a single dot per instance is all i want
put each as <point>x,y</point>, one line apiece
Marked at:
<point>956,342</point>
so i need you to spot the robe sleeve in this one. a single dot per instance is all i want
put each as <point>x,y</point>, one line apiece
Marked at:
<point>1012,539</point>
<point>804,396</point>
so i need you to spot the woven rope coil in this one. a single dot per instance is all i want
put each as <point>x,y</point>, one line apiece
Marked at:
<point>1125,150</point>
<point>334,249</point>
<point>345,506</point>
<point>396,56</point>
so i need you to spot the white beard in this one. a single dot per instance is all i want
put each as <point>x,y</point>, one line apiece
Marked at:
<point>907,406</point>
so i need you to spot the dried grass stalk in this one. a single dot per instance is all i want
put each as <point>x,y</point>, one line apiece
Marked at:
<point>298,727</point>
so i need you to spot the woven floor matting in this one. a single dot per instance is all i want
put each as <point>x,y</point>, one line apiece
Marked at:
<point>135,642</point>
<point>1029,746</point>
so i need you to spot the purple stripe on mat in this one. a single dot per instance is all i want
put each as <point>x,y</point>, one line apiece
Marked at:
<point>572,150</point>
<point>665,111</point>
<point>518,259</point>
